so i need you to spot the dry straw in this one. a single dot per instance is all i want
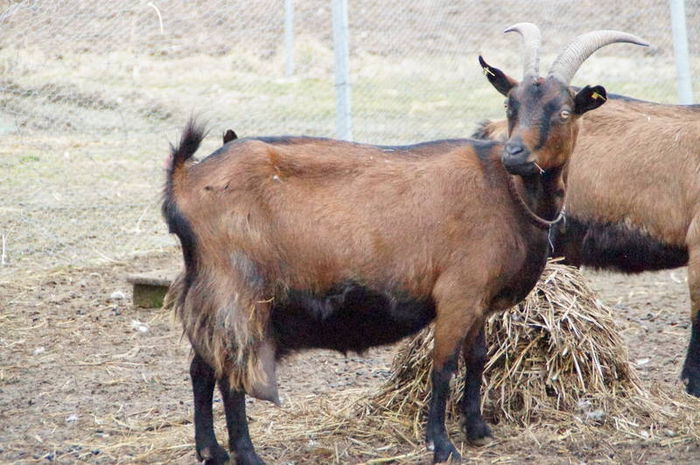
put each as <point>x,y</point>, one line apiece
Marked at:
<point>557,356</point>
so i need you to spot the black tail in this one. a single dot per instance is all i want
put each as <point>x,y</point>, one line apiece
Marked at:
<point>177,223</point>
<point>189,143</point>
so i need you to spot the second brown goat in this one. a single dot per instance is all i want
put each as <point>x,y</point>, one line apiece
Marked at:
<point>297,242</point>
<point>632,200</point>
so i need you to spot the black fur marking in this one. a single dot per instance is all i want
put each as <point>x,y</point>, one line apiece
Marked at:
<point>546,122</point>
<point>420,145</point>
<point>287,140</point>
<point>691,367</point>
<point>239,441</point>
<point>190,141</point>
<point>203,382</point>
<point>614,246</point>
<point>475,358</point>
<point>220,151</point>
<point>349,317</point>
<point>292,140</point>
<point>180,226</point>
<point>435,432</point>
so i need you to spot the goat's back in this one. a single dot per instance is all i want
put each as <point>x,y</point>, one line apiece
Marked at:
<point>638,163</point>
<point>325,211</point>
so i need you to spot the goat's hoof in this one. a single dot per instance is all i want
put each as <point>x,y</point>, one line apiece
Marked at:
<point>477,431</point>
<point>248,457</point>
<point>693,388</point>
<point>692,379</point>
<point>213,456</point>
<point>447,454</point>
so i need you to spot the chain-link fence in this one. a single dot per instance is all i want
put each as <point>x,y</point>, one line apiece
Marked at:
<point>93,91</point>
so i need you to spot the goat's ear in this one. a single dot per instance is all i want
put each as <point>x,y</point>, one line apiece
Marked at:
<point>589,98</point>
<point>230,135</point>
<point>502,82</point>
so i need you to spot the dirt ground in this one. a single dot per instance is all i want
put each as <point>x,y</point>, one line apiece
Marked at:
<point>85,377</point>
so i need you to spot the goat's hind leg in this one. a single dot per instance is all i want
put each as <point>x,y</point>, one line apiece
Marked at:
<point>239,440</point>
<point>203,382</point>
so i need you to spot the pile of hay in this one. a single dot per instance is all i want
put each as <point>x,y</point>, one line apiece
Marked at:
<point>556,356</point>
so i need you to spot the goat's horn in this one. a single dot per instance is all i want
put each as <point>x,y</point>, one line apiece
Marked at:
<point>532,39</point>
<point>569,61</point>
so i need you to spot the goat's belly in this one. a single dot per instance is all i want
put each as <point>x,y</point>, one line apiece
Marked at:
<point>349,317</point>
<point>616,246</point>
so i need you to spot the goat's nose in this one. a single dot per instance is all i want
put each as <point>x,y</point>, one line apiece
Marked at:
<point>514,150</point>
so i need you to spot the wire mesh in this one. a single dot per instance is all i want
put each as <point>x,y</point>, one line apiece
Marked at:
<point>92,92</point>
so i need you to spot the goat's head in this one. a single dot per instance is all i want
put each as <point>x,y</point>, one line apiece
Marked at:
<point>543,112</point>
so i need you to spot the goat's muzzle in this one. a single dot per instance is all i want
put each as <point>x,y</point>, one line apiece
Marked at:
<point>515,159</point>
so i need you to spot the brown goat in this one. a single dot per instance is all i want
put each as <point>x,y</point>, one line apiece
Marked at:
<point>298,242</point>
<point>633,197</point>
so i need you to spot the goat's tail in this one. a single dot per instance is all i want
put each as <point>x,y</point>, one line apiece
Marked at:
<point>176,173</point>
<point>190,140</point>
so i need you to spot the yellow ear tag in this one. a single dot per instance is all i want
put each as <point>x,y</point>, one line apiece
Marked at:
<point>596,96</point>
<point>487,71</point>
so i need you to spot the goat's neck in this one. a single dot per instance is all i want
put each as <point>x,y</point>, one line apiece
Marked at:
<point>542,193</point>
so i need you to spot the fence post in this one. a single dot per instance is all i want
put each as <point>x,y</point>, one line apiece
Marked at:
<point>343,112</point>
<point>680,50</point>
<point>289,37</point>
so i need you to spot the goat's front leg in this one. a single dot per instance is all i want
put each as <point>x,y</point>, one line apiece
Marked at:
<point>239,441</point>
<point>203,381</point>
<point>691,367</point>
<point>474,351</point>
<point>452,324</point>
<point>436,434</point>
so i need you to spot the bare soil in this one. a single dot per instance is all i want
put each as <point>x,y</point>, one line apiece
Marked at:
<point>85,377</point>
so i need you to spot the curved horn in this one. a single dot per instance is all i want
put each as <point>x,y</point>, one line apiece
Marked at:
<point>532,39</point>
<point>569,61</point>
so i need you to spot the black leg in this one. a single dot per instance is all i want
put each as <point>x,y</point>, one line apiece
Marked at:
<point>436,434</point>
<point>238,436</point>
<point>203,382</point>
<point>475,359</point>
<point>691,368</point>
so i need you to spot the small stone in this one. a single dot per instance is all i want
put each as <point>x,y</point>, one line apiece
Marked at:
<point>138,326</point>
<point>117,295</point>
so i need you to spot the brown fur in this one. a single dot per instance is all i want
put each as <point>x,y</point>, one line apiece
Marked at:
<point>293,211</point>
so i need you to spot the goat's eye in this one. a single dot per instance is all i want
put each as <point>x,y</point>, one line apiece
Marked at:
<point>564,115</point>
